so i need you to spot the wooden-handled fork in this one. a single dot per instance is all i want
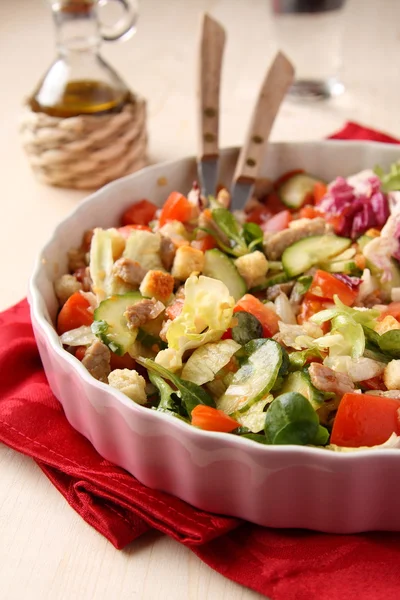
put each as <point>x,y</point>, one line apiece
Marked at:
<point>277,81</point>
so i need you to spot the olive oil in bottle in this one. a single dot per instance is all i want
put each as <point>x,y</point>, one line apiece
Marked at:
<point>80,82</point>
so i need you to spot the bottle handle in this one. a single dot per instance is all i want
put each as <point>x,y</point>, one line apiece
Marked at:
<point>125,27</point>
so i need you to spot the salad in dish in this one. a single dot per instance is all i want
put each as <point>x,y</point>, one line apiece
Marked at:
<point>279,323</point>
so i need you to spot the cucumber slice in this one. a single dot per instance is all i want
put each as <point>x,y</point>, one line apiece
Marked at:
<point>393,282</point>
<point>110,325</point>
<point>255,378</point>
<point>340,266</point>
<point>254,417</point>
<point>270,281</point>
<point>300,382</point>
<point>294,191</point>
<point>310,251</point>
<point>363,241</point>
<point>219,266</point>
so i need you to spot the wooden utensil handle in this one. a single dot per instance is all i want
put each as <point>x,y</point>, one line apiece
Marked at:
<point>276,83</point>
<point>211,49</point>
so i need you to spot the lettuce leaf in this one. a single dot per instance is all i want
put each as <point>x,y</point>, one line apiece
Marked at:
<point>206,314</point>
<point>390,182</point>
<point>349,323</point>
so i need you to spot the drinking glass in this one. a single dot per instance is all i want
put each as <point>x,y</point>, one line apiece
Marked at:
<point>310,33</point>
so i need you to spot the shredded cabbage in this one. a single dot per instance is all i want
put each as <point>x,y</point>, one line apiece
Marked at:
<point>207,360</point>
<point>106,246</point>
<point>206,314</point>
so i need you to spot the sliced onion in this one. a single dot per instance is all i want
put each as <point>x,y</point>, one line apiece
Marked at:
<point>284,309</point>
<point>82,336</point>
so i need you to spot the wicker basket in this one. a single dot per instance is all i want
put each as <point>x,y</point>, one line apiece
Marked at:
<point>87,151</point>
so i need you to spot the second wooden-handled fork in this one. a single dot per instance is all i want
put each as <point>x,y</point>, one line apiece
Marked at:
<point>277,81</point>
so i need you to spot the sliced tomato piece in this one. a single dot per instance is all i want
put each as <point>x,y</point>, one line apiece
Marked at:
<point>176,208</point>
<point>126,230</point>
<point>365,420</point>
<point>319,191</point>
<point>327,286</point>
<point>227,335</point>
<point>374,383</point>
<point>267,317</point>
<point>74,314</point>
<point>259,215</point>
<point>80,352</point>
<point>278,222</point>
<point>392,309</point>
<point>309,212</point>
<point>139,213</point>
<point>309,307</point>
<point>122,362</point>
<point>212,419</point>
<point>274,203</point>
<point>205,243</point>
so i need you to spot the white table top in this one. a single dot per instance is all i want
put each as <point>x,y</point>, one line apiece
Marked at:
<point>46,549</point>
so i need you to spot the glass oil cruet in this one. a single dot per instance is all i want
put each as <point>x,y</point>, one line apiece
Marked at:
<point>80,82</point>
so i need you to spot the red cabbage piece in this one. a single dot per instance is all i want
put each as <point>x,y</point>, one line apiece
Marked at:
<point>353,282</point>
<point>359,209</point>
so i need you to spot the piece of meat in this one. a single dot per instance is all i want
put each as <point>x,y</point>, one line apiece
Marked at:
<point>129,271</point>
<point>167,252</point>
<point>276,243</point>
<point>145,310</point>
<point>327,380</point>
<point>274,291</point>
<point>97,360</point>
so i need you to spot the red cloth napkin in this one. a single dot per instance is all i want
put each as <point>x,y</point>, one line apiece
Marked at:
<point>282,564</point>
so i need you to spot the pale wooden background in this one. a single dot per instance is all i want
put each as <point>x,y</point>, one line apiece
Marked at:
<point>46,550</point>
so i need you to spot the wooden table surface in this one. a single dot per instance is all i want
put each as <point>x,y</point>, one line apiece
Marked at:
<point>46,549</point>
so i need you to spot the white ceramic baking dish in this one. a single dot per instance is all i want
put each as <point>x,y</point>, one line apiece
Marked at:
<point>278,486</point>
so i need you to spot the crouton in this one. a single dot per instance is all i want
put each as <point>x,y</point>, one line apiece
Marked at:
<point>76,259</point>
<point>130,383</point>
<point>158,285</point>
<point>187,260</point>
<point>391,375</point>
<point>252,267</point>
<point>387,324</point>
<point>65,286</point>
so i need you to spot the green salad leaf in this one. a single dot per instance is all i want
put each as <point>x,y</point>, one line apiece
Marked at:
<point>168,396</point>
<point>388,343</point>
<point>227,223</point>
<point>302,357</point>
<point>290,419</point>
<point>390,182</point>
<point>253,236</point>
<point>190,393</point>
